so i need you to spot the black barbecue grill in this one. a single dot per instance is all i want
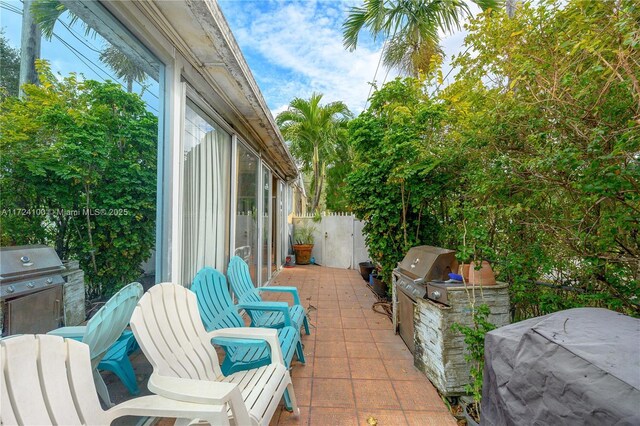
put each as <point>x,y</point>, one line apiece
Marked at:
<point>30,289</point>
<point>421,268</point>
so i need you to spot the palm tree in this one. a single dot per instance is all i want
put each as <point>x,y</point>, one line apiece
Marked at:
<point>312,130</point>
<point>45,14</point>
<point>409,28</point>
<point>123,66</point>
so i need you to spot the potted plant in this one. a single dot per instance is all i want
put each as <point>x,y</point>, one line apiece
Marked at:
<point>303,243</point>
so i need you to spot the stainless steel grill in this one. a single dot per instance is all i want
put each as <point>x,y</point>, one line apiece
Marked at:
<point>422,265</point>
<point>30,289</point>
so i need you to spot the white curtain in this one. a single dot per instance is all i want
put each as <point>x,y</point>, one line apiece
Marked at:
<point>205,196</point>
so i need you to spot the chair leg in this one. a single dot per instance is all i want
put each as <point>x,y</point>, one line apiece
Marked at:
<point>306,325</point>
<point>101,388</point>
<point>291,396</point>
<point>300,352</point>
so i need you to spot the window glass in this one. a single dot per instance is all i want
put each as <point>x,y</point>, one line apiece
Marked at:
<point>89,184</point>
<point>246,238</point>
<point>205,203</point>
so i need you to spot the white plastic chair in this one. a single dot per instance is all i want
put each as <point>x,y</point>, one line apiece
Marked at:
<point>169,330</point>
<point>48,380</point>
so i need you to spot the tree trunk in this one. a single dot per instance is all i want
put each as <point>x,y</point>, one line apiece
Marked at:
<point>29,47</point>
<point>316,177</point>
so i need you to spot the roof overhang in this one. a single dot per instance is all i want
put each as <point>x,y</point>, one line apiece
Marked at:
<point>199,32</point>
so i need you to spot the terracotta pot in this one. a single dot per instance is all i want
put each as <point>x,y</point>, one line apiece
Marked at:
<point>483,276</point>
<point>303,253</point>
<point>464,271</point>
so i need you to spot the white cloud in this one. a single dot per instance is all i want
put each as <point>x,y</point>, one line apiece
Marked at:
<point>295,48</point>
<point>305,40</point>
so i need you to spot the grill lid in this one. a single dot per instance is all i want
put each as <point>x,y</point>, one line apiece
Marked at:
<point>27,262</point>
<point>427,263</point>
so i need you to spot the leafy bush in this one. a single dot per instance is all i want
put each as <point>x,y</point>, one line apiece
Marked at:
<point>529,159</point>
<point>79,173</point>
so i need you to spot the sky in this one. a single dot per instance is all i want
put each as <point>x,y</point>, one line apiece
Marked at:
<point>294,48</point>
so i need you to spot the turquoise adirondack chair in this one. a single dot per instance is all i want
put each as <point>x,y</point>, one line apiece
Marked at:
<point>105,334</point>
<point>218,311</point>
<point>247,293</point>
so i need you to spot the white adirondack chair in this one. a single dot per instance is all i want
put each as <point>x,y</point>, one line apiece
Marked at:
<point>169,330</point>
<point>48,380</point>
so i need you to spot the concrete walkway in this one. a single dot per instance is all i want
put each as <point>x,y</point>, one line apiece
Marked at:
<point>357,368</point>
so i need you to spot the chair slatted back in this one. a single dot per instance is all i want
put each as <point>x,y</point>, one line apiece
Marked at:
<point>47,380</point>
<point>169,330</point>
<point>106,326</point>
<point>214,300</point>
<point>240,280</point>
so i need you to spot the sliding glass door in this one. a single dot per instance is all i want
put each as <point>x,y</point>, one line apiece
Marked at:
<point>205,235</point>
<point>266,224</point>
<point>247,209</point>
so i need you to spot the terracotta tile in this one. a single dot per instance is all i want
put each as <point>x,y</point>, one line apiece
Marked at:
<point>418,394</point>
<point>354,323</point>
<point>329,312</point>
<point>330,350</point>
<point>302,389</point>
<point>357,335</point>
<point>375,394</point>
<point>394,350</point>
<point>382,417</point>
<point>385,336</point>
<point>367,368</point>
<point>303,370</point>
<point>429,418</point>
<point>351,313</point>
<point>329,322</point>
<point>327,304</point>
<point>333,417</point>
<point>403,369</point>
<point>288,419</point>
<point>380,323</point>
<point>330,335</point>
<point>332,368</point>
<point>362,350</point>
<point>349,304</point>
<point>332,393</point>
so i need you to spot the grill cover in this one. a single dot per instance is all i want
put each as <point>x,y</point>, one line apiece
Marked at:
<point>428,263</point>
<point>574,367</point>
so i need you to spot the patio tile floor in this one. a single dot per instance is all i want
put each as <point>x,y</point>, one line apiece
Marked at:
<point>357,368</point>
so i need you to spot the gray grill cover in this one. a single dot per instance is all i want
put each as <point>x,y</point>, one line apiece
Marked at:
<point>574,367</point>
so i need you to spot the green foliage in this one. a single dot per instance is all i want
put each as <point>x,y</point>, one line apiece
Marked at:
<point>303,234</point>
<point>474,340</point>
<point>79,172</point>
<point>409,27</point>
<point>10,69</point>
<point>312,130</point>
<point>529,160</point>
<point>398,146</point>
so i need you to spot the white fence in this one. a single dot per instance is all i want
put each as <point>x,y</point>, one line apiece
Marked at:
<point>339,242</point>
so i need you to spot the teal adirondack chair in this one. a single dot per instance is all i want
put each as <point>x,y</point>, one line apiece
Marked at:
<point>218,311</point>
<point>105,334</point>
<point>247,293</point>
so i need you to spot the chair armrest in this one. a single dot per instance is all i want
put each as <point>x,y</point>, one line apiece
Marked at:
<point>268,335</point>
<point>284,289</point>
<point>75,333</point>
<point>232,341</point>
<point>191,390</point>
<point>159,406</point>
<point>200,392</point>
<point>268,306</point>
